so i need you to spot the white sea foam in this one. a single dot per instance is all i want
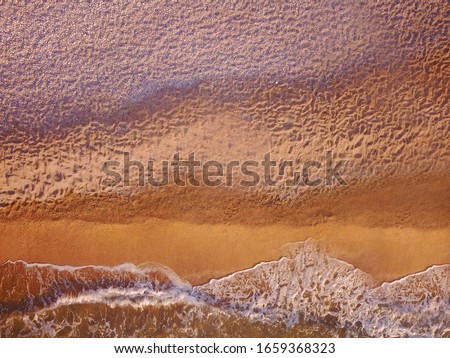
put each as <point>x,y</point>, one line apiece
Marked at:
<point>309,286</point>
<point>314,286</point>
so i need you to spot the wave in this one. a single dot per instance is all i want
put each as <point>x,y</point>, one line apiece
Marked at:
<point>314,286</point>
<point>25,287</point>
<point>306,294</point>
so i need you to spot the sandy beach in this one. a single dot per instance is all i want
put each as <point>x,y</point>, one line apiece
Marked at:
<point>349,98</point>
<point>389,229</point>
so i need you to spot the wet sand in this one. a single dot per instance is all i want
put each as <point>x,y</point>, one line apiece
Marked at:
<point>393,229</point>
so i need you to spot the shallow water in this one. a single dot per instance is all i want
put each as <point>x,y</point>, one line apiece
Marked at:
<point>310,294</point>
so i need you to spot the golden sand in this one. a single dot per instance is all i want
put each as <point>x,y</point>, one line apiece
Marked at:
<point>393,229</point>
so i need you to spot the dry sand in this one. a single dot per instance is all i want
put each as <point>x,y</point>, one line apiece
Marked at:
<point>227,81</point>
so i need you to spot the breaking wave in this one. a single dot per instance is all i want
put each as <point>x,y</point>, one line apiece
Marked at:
<point>308,294</point>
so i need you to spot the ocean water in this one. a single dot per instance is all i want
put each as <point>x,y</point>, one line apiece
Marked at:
<point>308,294</point>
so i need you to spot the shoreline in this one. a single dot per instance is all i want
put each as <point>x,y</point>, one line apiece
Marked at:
<point>200,252</point>
<point>388,229</point>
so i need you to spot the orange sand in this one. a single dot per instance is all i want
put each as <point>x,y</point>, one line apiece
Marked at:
<point>388,230</point>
